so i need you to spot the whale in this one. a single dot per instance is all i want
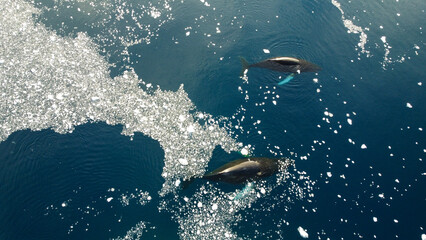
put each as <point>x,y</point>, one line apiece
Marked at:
<point>244,170</point>
<point>281,64</point>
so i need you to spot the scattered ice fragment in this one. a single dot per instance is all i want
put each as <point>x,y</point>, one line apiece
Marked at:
<point>262,190</point>
<point>374,219</point>
<point>109,199</point>
<point>190,129</point>
<point>349,121</point>
<point>363,146</point>
<point>199,204</point>
<point>214,206</point>
<point>59,96</point>
<point>244,151</point>
<point>423,236</point>
<point>266,51</point>
<point>395,220</point>
<point>274,102</point>
<point>302,232</point>
<point>315,80</point>
<point>329,174</point>
<point>409,105</point>
<point>188,33</point>
<point>382,195</point>
<point>64,204</point>
<point>177,183</point>
<point>383,38</point>
<point>183,161</point>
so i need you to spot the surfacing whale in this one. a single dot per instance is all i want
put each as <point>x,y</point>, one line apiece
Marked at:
<point>245,170</point>
<point>282,64</point>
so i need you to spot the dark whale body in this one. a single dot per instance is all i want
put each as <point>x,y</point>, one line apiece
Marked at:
<point>244,170</point>
<point>282,64</point>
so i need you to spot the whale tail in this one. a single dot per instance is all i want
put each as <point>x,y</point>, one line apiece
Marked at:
<point>245,65</point>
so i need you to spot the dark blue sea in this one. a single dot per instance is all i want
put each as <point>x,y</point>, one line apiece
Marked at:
<point>107,107</point>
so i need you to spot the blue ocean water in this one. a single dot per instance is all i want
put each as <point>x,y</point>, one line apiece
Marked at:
<point>86,154</point>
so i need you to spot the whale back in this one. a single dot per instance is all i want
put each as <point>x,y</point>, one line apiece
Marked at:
<point>243,170</point>
<point>287,64</point>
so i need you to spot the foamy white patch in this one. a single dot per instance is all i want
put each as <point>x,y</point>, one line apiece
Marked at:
<point>303,233</point>
<point>72,70</point>
<point>352,28</point>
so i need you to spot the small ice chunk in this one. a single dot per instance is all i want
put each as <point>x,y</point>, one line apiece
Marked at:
<point>182,118</point>
<point>64,204</point>
<point>315,80</point>
<point>266,51</point>
<point>60,96</point>
<point>302,232</point>
<point>363,146</point>
<point>109,199</point>
<point>274,102</point>
<point>190,129</point>
<point>199,204</point>
<point>409,105</point>
<point>383,38</point>
<point>183,161</point>
<point>423,236</point>
<point>187,33</point>
<point>374,219</point>
<point>177,183</point>
<point>395,220</point>
<point>244,152</point>
<point>214,206</point>
<point>349,121</point>
<point>329,174</point>
<point>262,190</point>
